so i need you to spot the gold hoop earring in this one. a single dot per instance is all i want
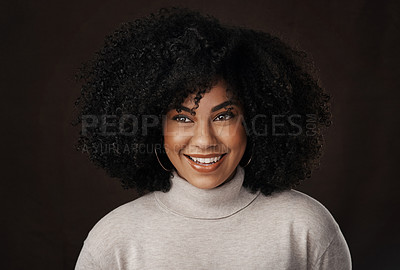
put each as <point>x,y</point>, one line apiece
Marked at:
<point>248,162</point>
<point>155,151</point>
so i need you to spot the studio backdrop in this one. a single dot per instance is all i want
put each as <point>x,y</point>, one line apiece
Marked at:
<point>52,195</point>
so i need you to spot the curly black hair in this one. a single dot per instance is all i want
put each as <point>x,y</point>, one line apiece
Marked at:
<point>151,65</point>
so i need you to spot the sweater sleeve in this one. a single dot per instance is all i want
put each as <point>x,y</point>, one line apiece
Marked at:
<point>85,260</point>
<point>336,256</point>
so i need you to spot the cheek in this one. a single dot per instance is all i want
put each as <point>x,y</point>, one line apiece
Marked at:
<point>174,143</point>
<point>169,144</point>
<point>234,137</point>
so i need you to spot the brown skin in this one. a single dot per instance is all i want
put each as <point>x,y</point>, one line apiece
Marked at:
<point>210,132</point>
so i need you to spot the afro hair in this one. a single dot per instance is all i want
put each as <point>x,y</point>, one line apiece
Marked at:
<point>151,65</point>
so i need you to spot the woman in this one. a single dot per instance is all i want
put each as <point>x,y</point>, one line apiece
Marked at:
<point>214,125</point>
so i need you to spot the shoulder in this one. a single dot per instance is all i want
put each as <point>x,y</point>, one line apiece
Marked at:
<point>128,214</point>
<point>297,205</point>
<point>300,212</point>
<point>116,232</point>
<point>307,223</point>
<point>125,219</point>
<point>113,234</point>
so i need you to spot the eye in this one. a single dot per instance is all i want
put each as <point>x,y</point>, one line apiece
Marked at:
<point>181,119</point>
<point>224,116</point>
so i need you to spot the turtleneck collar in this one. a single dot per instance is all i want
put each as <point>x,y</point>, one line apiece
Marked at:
<point>187,200</point>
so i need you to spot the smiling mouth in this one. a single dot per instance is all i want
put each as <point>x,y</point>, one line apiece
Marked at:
<point>205,161</point>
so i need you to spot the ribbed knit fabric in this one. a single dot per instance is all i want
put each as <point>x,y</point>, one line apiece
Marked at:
<point>189,201</point>
<point>222,228</point>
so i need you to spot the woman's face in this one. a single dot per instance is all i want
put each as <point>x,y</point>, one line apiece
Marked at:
<point>206,148</point>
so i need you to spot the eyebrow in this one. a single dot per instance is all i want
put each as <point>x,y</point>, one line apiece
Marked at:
<point>214,109</point>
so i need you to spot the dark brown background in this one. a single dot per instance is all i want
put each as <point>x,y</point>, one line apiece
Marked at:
<point>52,195</point>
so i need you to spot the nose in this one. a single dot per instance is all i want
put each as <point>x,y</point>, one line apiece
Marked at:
<point>203,136</point>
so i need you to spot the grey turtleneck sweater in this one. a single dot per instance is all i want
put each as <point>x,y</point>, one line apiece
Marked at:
<point>222,228</point>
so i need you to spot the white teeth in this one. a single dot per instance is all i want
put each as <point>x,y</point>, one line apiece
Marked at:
<point>206,160</point>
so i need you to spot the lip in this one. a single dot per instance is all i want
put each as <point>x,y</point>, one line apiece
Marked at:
<point>204,156</point>
<point>205,168</point>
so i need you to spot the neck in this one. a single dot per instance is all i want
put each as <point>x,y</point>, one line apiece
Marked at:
<point>225,200</point>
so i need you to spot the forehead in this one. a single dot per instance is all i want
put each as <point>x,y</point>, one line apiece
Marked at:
<point>210,101</point>
<point>215,95</point>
